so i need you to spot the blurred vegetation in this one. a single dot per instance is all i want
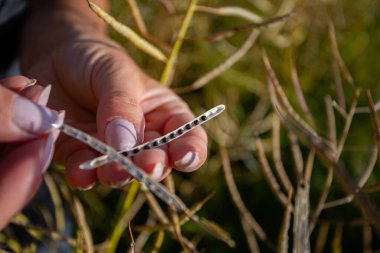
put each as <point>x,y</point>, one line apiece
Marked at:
<point>326,42</point>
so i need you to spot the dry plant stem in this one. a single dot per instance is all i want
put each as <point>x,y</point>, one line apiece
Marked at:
<point>337,238</point>
<point>331,126</point>
<point>374,120</point>
<point>123,222</point>
<point>283,238</point>
<point>296,154</point>
<point>322,199</point>
<point>137,18</point>
<point>367,238</point>
<point>268,173</point>
<point>230,11</point>
<point>128,33</point>
<point>54,235</point>
<point>320,242</point>
<point>158,242</point>
<point>231,60</point>
<point>236,198</point>
<point>240,28</point>
<point>167,74</point>
<point>301,241</point>
<point>168,6</point>
<point>325,151</point>
<point>339,93</point>
<point>336,54</point>
<point>367,173</point>
<point>83,226</point>
<point>57,202</point>
<point>339,109</point>
<point>280,170</point>
<point>169,183</point>
<point>250,235</point>
<point>154,206</point>
<point>347,124</point>
<point>144,235</point>
<point>300,97</point>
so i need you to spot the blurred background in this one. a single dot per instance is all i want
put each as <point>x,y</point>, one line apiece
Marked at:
<point>272,186</point>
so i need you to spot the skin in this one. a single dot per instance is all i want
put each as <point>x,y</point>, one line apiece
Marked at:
<point>95,81</point>
<point>24,174</point>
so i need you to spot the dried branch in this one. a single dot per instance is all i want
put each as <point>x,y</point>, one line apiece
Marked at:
<point>283,237</point>
<point>301,241</point>
<point>137,18</point>
<point>268,173</point>
<point>231,60</point>
<point>300,97</point>
<point>128,33</point>
<point>280,170</point>
<point>236,198</point>
<point>336,54</point>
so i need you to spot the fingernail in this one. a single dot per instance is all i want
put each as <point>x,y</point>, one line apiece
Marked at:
<point>121,134</point>
<point>86,188</point>
<point>44,96</point>
<point>188,162</point>
<point>32,118</point>
<point>61,118</point>
<point>157,171</point>
<point>121,183</point>
<point>31,82</point>
<point>47,153</point>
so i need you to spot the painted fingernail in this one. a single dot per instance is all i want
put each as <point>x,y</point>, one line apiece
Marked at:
<point>157,171</point>
<point>31,118</point>
<point>47,153</point>
<point>44,96</point>
<point>121,134</point>
<point>188,162</point>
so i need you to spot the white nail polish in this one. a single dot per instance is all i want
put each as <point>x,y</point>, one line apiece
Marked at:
<point>188,162</point>
<point>157,171</point>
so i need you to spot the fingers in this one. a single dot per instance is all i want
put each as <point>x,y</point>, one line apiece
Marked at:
<point>120,118</point>
<point>20,175</point>
<point>17,83</point>
<point>21,118</point>
<point>189,152</point>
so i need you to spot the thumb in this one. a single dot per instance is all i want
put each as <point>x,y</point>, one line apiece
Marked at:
<point>120,118</point>
<point>21,118</point>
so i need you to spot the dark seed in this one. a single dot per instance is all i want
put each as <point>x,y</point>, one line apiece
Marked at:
<point>203,118</point>
<point>155,143</point>
<point>172,135</point>
<point>180,131</point>
<point>188,126</point>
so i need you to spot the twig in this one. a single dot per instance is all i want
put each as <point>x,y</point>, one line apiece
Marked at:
<point>218,36</point>
<point>320,242</point>
<point>169,69</point>
<point>299,93</point>
<point>284,179</point>
<point>374,120</point>
<point>80,217</point>
<point>128,33</point>
<point>236,198</point>
<point>301,241</point>
<point>283,237</point>
<point>337,57</point>
<point>230,11</point>
<point>137,16</point>
<point>268,173</point>
<point>231,60</point>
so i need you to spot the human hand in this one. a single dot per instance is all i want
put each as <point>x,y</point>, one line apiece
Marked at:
<point>26,142</point>
<point>104,93</point>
